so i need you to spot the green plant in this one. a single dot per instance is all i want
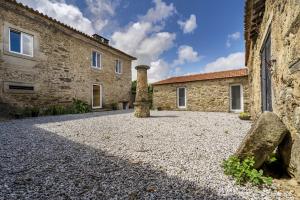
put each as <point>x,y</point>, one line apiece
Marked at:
<point>244,116</point>
<point>114,106</point>
<point>272,159</point>
<point>25,112</point>
<point>243,171</point>
<point>55,110</point>
<point>80,107</point>
<point>34,112</point>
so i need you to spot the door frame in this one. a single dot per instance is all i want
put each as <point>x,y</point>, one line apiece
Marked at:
<point>95,107</point>
<point>185,98</point>
<point>241,97</point>
<point>266,75</point>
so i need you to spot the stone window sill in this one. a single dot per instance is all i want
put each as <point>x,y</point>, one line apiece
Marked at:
<point>19,56</point>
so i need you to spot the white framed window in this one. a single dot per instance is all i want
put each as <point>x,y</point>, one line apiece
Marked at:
<point>181,97</point>
<point>118,66</point>
<point>236,98</point>
<point>96,60</point>
<point>20,43</point>
<point>97,96</point>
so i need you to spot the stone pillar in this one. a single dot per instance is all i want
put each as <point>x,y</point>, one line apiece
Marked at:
<point>141,104</point>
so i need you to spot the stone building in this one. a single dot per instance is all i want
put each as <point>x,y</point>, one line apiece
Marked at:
<point>273,59</point>
<point>225,91</point>
<point>44,62</point>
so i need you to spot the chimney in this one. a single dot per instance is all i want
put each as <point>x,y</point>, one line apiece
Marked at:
<point>101,39</point>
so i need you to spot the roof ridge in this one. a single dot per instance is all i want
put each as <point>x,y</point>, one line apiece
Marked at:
<point>64,25</point>
<point>205,76</point>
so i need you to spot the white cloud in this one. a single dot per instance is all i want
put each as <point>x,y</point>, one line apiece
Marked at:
<point>189,25</point>
<point>66,13</point>
<point>160,12</point>
<point>232,37</point>
<point>101,12</point>
<point>156,44</point>
<point>186,54</point>
<point>158,69</point>
<point>232,61</point>
<point>144,40</point>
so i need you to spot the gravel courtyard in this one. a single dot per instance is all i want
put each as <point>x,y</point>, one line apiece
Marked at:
<point>112,155</point>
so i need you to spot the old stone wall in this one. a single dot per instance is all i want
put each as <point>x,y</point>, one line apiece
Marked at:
<point>208,95</point>
<point>61,66</point>
<point>282,20</point>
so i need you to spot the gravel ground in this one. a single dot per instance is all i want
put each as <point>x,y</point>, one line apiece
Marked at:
<point>112,155</point>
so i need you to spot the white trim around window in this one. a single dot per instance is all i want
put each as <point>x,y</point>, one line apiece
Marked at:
<point>118,66</point>
<point>185,98</point>
<point>241,98</point>
<point>98,60</point>
<point>100,96</point>
<point>22,35</point>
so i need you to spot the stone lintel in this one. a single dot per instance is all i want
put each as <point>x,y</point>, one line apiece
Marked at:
<point>142,67</point>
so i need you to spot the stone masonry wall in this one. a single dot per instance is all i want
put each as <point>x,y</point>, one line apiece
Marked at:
<point>61,67</point>
<point>208,95</point>
<point>282,18</point>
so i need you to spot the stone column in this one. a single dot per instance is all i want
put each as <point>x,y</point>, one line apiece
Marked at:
<point>141,104</point>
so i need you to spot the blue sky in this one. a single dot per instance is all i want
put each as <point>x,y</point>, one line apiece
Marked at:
<point>174,37</point>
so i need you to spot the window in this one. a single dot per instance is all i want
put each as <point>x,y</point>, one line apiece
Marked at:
<point>118,67</point>
<point>181,97</point>
<point>236,98</point>
<point>96,60</point>
<point>96,98</point>
<point>20,43</point>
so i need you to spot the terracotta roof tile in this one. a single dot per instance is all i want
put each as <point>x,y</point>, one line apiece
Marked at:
<point>206,76</point>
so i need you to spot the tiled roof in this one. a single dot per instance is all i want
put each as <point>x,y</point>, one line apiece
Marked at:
<point>206,76</point>
<point>65,25</point>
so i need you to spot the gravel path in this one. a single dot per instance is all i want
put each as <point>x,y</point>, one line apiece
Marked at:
<point>112,155</point>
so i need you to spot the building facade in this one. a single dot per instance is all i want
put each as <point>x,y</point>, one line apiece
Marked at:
<point>273,59</point>
<point>44,62</point>
<point>225,91</point>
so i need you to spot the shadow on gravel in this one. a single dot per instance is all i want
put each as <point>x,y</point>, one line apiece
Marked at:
<point>164,116</point>
<point>37,164</point>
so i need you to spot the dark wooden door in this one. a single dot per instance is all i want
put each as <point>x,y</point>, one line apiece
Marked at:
<point>266,81</point>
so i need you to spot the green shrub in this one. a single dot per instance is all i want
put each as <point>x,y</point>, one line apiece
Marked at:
<point>244,116</point>
<point>24,112</point>
<point>55,110</point>
<point>243,171</point>
<point>114,106</point>
<point>79,107</point>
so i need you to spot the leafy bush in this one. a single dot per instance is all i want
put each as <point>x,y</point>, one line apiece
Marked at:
<point>55,110</point>
<point>77,107</point>
<point>80,107</point>
<point>24,112</point>
<point>243,171</point>
<point>114,106</point>
<point>244,116</point>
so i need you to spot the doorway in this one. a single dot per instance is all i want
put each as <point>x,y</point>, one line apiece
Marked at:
<point>236,98</point>
<point>97,96</point>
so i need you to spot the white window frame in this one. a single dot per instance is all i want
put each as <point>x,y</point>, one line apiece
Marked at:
<point>242,98</point>
<point>100,62</point>
<point>185,98</point>
<point>120,66</point>
<point>95,107</point>
<point>21,47</point>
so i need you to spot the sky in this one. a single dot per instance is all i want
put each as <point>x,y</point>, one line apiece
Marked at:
<point>173,37</point>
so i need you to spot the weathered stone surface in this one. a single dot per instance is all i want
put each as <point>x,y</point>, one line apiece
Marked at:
<point>61,66</point>
<point>262,139</point>
<point>141,104</point>
<point>207,96</point>
<point>281,18</point>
